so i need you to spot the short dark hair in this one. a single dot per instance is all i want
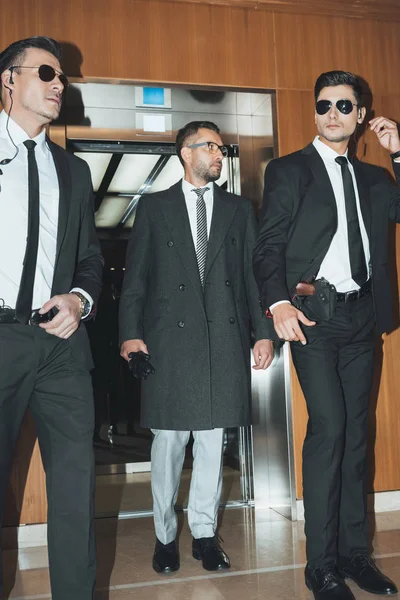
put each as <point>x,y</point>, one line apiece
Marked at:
<point>332,78</point>
<point>14,54</point>
<point>191,129</point>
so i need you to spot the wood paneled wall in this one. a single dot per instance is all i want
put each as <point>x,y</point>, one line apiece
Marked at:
<point>266,44</point>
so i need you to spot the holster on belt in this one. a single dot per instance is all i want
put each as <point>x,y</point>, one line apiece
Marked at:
<point>317,300</point>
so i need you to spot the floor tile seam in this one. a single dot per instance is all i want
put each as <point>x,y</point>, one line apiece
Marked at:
<point>220,575</point>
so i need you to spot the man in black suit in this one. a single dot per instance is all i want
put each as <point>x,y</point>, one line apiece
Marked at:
<point>325,215</point>
<point>50,266</point>
<point>188,297</point>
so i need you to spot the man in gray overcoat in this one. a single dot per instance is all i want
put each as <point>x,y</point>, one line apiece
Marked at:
<point>189,300</point>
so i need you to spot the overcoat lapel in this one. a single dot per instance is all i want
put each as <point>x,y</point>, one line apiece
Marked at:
<point>224,209</point>
<point>177,219</point>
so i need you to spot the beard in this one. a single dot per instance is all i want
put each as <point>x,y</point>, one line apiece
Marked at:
<point>207,174</point>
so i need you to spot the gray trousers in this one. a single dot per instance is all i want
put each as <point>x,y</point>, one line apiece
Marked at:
<point>167,456</point>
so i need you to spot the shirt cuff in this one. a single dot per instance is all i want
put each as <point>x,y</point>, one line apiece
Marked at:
<point>87,296</point>
<point>271,308</point>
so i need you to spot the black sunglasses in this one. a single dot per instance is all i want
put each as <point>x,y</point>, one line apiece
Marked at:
<point>46,73</point>
<point>343,106</point>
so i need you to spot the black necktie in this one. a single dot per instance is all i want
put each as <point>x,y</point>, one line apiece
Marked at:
<point>202,237</point>
<point>23,307</point>
<point>356,249</point>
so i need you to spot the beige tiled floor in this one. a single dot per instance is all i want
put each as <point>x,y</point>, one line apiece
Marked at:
<point>266,551</point>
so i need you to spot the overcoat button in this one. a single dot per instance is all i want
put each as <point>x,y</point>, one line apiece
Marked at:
<point>182,287</point>
<point>181,324</point>
<point>228,283</point>
<point>231,320</point>
<point>170,243</point>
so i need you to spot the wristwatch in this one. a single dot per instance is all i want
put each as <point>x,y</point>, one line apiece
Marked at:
<point>395,154</point>
<point>85,304</point>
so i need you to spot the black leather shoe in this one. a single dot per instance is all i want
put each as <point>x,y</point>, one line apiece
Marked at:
<point>326,584</point>
<point>210,552</point>
<point>363,571</point>
<point>166,557</point>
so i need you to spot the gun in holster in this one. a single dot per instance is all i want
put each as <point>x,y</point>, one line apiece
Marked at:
<point>316,299</point>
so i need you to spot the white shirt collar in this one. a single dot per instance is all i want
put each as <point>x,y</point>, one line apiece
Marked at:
<point>18,135</point>
<point>188,187</point>
<point>326,152</point>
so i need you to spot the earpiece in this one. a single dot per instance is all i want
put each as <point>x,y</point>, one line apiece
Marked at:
<point>9,90</point>
<point>11,77</point>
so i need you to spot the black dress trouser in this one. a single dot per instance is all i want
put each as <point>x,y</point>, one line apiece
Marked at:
<point>335,371</point>
<point>43,372</point>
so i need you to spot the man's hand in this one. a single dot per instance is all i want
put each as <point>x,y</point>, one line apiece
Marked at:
<point>132,346</point>
<point>263,353</point>
<point>286,322</point>
<point>387,133</point>
<point>67,320</point>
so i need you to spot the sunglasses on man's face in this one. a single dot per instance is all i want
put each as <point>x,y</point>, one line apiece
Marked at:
<point>46,73</point>
<point>343,106</point>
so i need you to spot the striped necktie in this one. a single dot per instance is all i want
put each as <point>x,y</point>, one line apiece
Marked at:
<point>202,238</point>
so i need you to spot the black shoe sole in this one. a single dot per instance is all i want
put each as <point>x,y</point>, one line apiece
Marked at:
<point>165,570</point>
<point>345,576</point>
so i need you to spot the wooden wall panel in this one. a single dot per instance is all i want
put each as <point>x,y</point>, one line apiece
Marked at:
<point>158,41</point>
<point>317,44</point>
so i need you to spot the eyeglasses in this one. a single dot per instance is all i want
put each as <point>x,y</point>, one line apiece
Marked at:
<point>46,73</point>
<point>212,147</point>
<point>343,106</point>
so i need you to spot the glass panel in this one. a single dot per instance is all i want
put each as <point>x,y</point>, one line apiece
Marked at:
<point>111,211</point>
<point>98,163</point>
<point>132,172</point>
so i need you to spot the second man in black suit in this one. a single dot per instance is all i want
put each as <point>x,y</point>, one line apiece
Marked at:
<point>50,261</point>
<point>188,298</point>
<point>325,216</point>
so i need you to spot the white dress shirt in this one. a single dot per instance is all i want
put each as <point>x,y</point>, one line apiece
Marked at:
<point>335,266</point>
<point>14,201</point>
<point>191,199</point>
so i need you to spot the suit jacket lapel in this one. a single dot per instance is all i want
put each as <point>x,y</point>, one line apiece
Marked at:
<point>363,195</point>
<point>321,177</point>
<point>224,209</point>
<point>64,184</point>
<point>177,219</point>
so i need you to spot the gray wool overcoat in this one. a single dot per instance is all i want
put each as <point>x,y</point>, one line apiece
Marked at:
<point>199,340</point>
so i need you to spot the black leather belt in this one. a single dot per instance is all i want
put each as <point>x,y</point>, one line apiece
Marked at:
<point>355,294</point>
<point>7,317</point>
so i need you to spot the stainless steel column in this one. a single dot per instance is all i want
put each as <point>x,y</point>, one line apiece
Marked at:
<point>273,455</point>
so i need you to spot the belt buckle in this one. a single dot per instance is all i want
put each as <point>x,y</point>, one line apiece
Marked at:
<point>353,295</point>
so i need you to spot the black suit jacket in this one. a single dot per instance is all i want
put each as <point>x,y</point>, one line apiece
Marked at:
<point>299,220</point>
<point>78,262</point>
<point>198,339</point>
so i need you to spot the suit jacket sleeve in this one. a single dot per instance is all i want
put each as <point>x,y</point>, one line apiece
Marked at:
<point>263,327</point>
<point>89,266</point>
<point>269,261</point>
<point>394,208</point>
<point>137,268</point>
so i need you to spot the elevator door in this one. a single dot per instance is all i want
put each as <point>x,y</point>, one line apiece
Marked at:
<point>123,173</point>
